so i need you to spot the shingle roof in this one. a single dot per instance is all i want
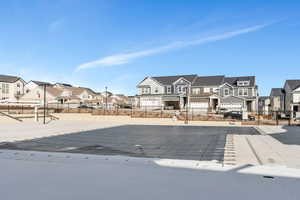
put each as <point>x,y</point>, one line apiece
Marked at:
<point>8,79</point>
<point>53,91</point>
<point>208,80</point>
<point>293,84</point>
<point>168,80</point>
<point>277,92</point>
<point>41,83</point>
<point>77,90</point>
<point>233,80</point>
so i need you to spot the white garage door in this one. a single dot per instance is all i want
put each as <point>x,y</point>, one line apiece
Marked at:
<point>150,102</point>
<point>199,105</point>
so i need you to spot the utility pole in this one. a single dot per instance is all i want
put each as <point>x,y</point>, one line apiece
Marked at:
<point>45,103</point>
<point>186,105</point>
<point>106,97</point>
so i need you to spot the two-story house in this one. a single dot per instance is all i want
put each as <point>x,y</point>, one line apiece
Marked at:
<point>204,94</point>
<point>277,99</point>
<point>201,93</point>
<point>34,84</point>
<point>11,88</point>
<point>292,95</point>
<point>239,93</point>
<point>169,92</point>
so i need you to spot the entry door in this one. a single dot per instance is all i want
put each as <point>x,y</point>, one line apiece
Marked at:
<point>249,106</point>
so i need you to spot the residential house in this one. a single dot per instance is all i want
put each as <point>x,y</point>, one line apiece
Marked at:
<point>36,95</point>
<point>33,84</point>
<point>292,95</point>
<point>74,95</point>
<point>165,91</point>
<point>264,105</point>
<point>238,93</point>
<point>204,94</point>
<point>277,98</point>
<point>11,88</point>
<point>59,94</point>
<point>201,93</point>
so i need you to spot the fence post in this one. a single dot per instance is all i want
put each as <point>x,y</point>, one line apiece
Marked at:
<point>192,114</point>
<point>289,119</point>
<point>277,122</point>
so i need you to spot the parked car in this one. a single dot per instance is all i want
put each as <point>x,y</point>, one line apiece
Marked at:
<point>251,118</point>
<point>222,110</point>
<point>233,115</point>
<point>85,107</point>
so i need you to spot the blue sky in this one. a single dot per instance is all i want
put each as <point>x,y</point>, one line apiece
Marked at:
<point>116,43</point>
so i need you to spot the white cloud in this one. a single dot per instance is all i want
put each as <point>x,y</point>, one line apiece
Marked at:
<point>55,25</point>
<point>124,58</point>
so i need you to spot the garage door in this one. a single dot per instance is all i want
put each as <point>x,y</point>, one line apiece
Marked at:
<point>199,105</point>
<point>150,102</point>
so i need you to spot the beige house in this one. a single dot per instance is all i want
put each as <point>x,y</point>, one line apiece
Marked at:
<point>36,95</point>
<point>11,88</point>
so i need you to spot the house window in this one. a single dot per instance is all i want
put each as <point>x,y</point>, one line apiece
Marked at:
<point>243,92</point>
<point>196,91</point>
<point>145,90</point>
<point>206,90</point>
<point>5,88</point>
<point>215,89</point>
<point>156,90</point>
<point>226,92</point>
<point>179,89</point>
<point>18,85</point>
<point>168,89</point>
<point>243,83</point>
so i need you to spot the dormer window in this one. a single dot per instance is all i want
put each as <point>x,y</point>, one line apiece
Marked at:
<point>243,83</point>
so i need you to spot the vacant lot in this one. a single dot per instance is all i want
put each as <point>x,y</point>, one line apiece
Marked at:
<point>176,142</point>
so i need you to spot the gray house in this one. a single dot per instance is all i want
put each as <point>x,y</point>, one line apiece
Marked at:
<point>277,98</point>
<point>201,93</point>
<point>165,91</point>
<point>292,95</point>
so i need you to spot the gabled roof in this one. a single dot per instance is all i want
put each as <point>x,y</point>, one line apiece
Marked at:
<point>277,92</point>
<point>77,90</point>
<point>168,80</point>
<point>261,98</point>
<point>233,80</point>
<point>8,79</point>
<point>293,84</point>
<point>41,83</point>
<point>208,80</point>
<point>232,99</point>
<point>63,84</point>
<point>53,91</point>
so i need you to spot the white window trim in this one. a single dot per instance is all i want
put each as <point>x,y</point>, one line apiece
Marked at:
<point>169,89</point>
<point>243,92</point>
<point>206,90</point>
<point>226,89</point>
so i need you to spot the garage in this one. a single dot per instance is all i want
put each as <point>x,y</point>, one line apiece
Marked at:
<point>232,103</point>
<point>199,104</point>
<point>151,102</point>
